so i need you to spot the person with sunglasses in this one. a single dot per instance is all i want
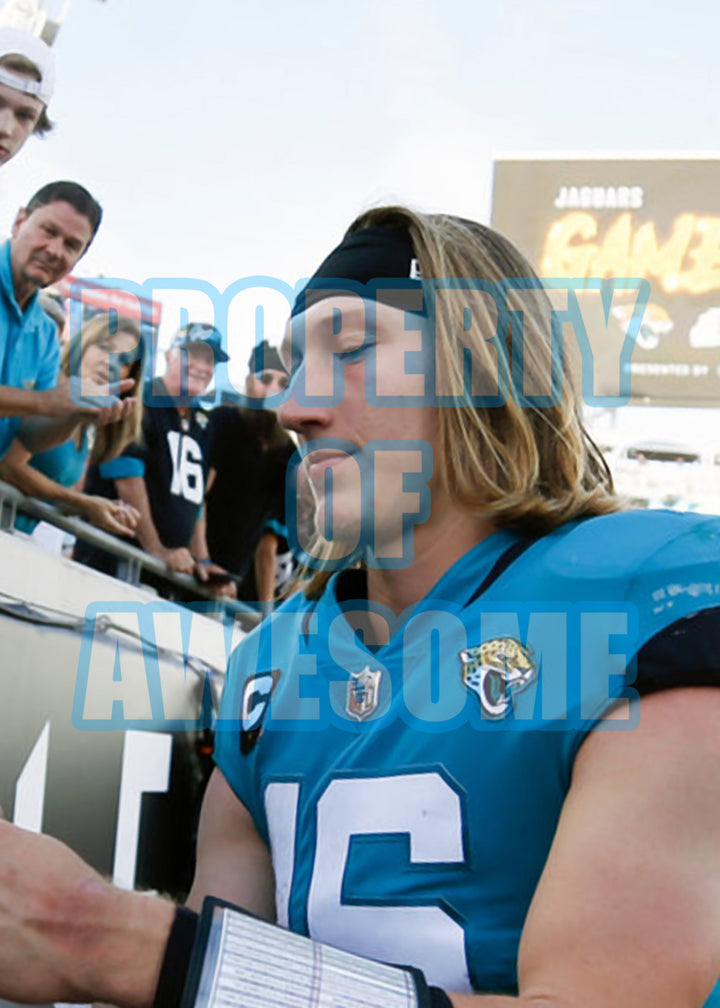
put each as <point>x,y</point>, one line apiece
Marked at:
<point>245,507</point>
<point>162,476</point>
<point>266,375</point>
<point>101,355</point>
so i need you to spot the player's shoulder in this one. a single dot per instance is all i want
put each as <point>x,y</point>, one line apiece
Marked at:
<point>627,544</point>
<point>276,640</point>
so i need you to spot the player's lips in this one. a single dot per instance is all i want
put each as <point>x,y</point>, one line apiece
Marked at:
<point>4,152</point>
<point>317,462</point>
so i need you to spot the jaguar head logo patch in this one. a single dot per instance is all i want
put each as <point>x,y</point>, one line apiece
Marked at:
<point>494,670</point>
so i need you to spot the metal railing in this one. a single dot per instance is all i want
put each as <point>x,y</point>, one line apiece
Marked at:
<point>132,561</point>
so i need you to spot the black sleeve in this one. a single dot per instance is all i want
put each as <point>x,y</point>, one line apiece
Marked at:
<point>224,436</point>
<point>213,430</point>
<point>685,653</point>
<point>276,471</point>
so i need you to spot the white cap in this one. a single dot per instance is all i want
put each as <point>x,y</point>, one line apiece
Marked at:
<point>21,43</point>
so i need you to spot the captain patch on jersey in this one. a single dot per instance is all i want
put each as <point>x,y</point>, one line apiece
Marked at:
<point>255,703</point>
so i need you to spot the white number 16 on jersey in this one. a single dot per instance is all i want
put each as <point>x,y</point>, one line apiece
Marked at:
<point>187,478</point>
<point>422,806</point>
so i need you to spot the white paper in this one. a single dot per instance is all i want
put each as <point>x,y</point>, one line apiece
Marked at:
<point>252,964</point>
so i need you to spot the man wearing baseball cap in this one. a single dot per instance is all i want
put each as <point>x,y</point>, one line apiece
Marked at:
<point>196,339</point>
<point>27,79</point>
<point>245,509</point>
<point>164,477</point>
<point>267,375</point>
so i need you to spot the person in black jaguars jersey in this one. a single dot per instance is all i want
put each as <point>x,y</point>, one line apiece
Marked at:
<point>163,475</point>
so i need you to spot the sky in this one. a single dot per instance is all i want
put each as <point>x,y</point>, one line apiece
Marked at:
<point>229,139</point>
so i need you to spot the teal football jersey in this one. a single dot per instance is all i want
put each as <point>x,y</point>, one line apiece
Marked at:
<point>410,792</point>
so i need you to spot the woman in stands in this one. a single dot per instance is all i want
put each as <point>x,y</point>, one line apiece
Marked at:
<point>98,355</point>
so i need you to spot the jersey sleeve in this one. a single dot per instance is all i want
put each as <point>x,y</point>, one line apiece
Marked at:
<point>124,466</point>
<point>134,457</point>
<point>240,722</point>
<point>219,421</point>
<point>670,587</point>
<point>258,715</point>
<point>276,527</point>
<point>677,595</point>
<point>685,653</point>
<point>680,575</point>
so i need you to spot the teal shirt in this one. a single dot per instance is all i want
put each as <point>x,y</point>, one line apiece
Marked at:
<point>409,815</point>
<point>29,348</point>
<point>65,463</point>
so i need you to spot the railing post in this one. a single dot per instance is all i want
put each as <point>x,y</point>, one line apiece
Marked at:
<point>128,569</point>
<point>8,513</point>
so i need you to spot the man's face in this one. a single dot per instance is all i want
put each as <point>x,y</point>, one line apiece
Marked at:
<point>266,383</point>
<point>360,426</point>
<point>45,245</point>
<point>19,114</point>
<point>190,370</point>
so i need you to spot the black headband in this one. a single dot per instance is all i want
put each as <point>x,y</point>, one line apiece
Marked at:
<point>375,253</point>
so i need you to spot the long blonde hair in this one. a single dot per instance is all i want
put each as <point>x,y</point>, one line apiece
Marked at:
<point>111,439</point>
<point>527,467</point>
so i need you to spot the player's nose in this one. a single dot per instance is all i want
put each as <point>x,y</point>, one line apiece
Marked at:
<point>301,412</point>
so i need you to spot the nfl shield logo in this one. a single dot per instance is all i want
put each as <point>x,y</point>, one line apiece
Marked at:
<point>363,690</point>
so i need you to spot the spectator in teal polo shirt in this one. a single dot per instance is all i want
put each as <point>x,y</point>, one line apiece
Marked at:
<point>49,236</point>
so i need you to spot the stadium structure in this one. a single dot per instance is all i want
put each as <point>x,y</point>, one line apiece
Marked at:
<point>43,18</point>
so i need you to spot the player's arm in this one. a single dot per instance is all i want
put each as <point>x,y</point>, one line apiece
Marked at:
<point>233,862</point>
<point>627,911</point>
